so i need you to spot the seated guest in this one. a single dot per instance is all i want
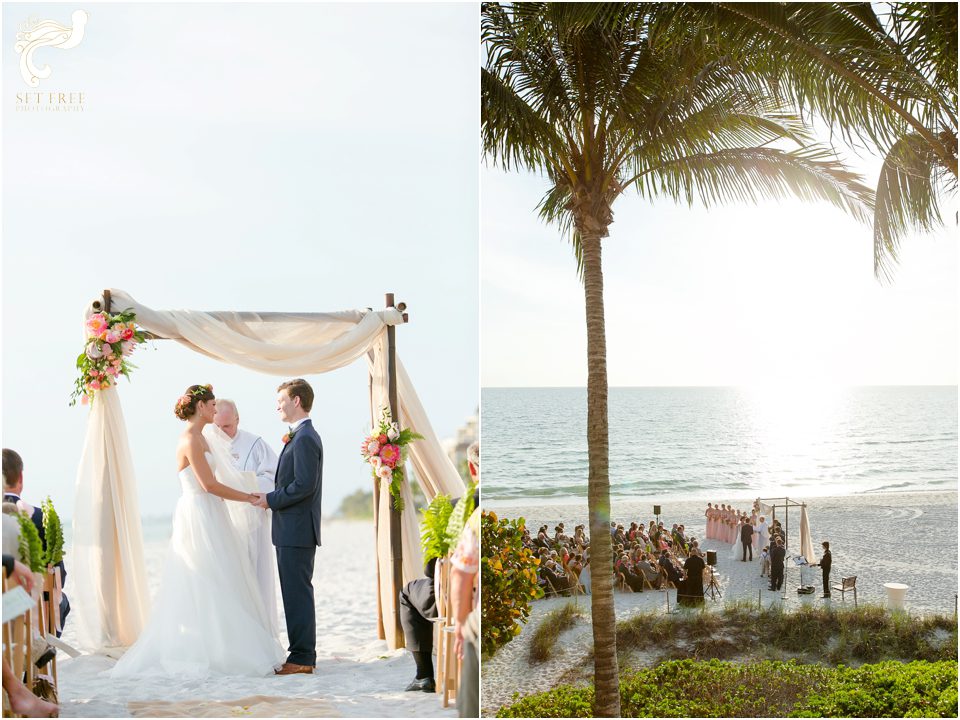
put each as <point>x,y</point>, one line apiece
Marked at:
<point>555,576</point>
<point>542,539</point>
<point>12,491</point>
<point>645,567</point>
<point>579,537</point>
<point>22,701</point>
<point>673,574</point>
<point>619,537</point>
<point>631,577</point>
<point>585,576</point>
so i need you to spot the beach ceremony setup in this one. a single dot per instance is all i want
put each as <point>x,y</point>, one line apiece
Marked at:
<point>111,597</point>
<point>719,400</point>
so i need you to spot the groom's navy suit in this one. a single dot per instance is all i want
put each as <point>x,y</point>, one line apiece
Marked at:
<point>296,535</point>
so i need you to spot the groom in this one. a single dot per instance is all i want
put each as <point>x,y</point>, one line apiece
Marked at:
<point>296,522</point>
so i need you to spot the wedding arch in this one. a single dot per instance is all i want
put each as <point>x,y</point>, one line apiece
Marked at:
<point>113,599</point>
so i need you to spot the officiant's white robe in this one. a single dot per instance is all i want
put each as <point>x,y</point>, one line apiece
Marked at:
<point>252,454</point>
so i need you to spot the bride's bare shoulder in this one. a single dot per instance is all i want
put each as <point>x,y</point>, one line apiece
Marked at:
<point>189,444</point>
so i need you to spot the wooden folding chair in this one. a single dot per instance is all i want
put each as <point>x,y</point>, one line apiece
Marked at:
<point>575,585</point>
<point>448,664</point>
<point>49,614</point>
<point>18,645</point>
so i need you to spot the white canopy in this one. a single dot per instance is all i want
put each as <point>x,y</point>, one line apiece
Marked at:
<point>113,600</point>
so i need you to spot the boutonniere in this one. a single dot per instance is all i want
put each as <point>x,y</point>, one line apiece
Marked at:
<point>289,436</point>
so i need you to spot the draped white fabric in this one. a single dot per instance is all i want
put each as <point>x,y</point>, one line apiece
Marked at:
<point>806,541</point>
<point>111,600</point>
<point>107,521</point>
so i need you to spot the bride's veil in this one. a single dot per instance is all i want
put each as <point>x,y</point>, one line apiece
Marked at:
<point>245,518</point>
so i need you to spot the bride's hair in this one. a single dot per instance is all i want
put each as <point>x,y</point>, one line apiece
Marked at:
<point>186,406</point>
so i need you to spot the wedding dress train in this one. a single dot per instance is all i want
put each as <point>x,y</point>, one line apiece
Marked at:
<point>208,616</point>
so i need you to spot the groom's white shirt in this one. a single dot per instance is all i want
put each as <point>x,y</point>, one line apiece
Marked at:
<point>298,423</point>
<point>251,453</point>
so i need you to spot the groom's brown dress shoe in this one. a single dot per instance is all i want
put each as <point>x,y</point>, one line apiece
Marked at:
<point>294,669</point>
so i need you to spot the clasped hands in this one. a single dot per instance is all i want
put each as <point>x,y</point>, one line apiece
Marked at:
<point>260,501</point>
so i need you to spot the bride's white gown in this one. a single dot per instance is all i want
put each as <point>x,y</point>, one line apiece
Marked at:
<point>208,616</point>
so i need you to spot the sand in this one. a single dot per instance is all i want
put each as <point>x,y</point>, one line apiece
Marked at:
<point>356,676</point>
<point>905,538</point>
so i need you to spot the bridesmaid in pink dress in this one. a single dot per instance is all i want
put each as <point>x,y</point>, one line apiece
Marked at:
<point>709,515</point>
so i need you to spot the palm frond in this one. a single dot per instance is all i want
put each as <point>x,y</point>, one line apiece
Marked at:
<point>749,174</point>
<point>906,199</point>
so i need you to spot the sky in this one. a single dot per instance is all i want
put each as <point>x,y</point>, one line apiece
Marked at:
<point>239,157</point>
<point>770,295</point>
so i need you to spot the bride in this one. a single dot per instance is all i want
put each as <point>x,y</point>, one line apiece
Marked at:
<point>208,616</point>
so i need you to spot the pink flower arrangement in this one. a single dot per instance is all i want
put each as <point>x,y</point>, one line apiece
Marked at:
<point>385,450</point>
<point>390,455</point>
<point>110,340</point>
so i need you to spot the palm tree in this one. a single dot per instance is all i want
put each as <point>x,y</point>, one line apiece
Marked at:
<point>608,96</point>
<point>887,79</point>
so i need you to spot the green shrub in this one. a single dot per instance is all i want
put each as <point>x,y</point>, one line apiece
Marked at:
<point>508,576</point>
<point>888,689</point>
<point>31,549</point>
<point>433,528</point>
<point>691,688</point>
<point>53,534</point>
<point>461,512</point>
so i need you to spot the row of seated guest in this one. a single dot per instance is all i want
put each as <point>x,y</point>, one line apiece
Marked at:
<point>653,537</point>
<point>13,504</point>
<point>565,559</point>
<point>553,573</point>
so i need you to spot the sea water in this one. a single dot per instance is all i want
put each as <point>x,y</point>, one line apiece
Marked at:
<point>721,443</point>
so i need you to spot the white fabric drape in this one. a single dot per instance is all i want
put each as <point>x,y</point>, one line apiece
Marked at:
<point>806,542</point>
<point>111,600</point>
<point>107,520</point>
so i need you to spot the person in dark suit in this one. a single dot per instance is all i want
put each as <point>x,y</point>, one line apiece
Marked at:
<point>746,540</point>
<point>672,572</point>
<point>777,556</point>
<point>825,563</point>
<point>12,490</point>
<point>693,584</point>
<point>296,522</point>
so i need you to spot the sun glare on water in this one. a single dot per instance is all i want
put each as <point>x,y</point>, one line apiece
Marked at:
<point>796,429</point>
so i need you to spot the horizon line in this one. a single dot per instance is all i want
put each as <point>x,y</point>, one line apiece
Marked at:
<point>646,387</point>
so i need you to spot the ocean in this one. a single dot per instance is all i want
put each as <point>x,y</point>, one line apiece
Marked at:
<point>721,443</point>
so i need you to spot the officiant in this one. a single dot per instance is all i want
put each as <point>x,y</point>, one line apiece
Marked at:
<point>252,454</point>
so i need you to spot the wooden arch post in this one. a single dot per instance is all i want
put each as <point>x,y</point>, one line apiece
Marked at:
<point>396,537</point>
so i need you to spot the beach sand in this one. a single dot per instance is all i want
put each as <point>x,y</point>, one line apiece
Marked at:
<point>356,676</point>
<point>905,538</point>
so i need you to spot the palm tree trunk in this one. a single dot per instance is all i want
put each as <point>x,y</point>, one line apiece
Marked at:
<point>605,670</point>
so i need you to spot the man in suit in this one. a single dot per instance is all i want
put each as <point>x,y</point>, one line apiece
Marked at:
<point>12,490</point>
<point>746,540</point>
<point>777,556</point>
<point>825,563</point>
<point>296,522</point>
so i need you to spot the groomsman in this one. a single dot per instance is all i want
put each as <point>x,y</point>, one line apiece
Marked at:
<point>252,454</point>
